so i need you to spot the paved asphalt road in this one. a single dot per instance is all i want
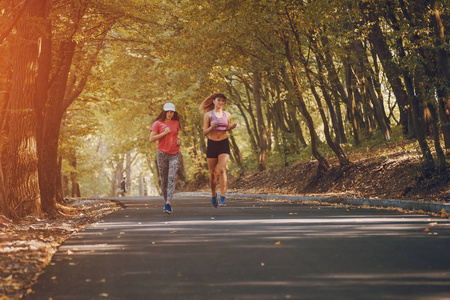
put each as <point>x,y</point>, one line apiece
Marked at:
<point>251,249</point>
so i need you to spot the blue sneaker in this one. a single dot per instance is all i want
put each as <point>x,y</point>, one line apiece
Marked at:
<point>167,208</point>
<point>214,201</point>
<point>222,201</point>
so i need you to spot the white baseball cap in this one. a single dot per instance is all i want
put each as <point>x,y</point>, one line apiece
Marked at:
<point>169,106</point>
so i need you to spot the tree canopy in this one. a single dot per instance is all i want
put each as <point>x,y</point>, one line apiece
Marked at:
<point>82,81</point>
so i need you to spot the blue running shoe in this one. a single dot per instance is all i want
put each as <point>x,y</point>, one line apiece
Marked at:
<point>167,208</point>
<point>214,201</point>
<point>222,201</point>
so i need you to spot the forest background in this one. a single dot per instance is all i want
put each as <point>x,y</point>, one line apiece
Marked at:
<point>308,81</point>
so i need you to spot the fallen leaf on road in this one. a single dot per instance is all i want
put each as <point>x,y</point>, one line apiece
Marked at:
<point>278,243</point>
<point>426,229</point>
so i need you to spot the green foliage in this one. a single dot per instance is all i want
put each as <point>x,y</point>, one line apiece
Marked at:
<point>182,51</point>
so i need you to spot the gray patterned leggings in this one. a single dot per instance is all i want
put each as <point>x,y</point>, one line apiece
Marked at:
<point>168,165</point>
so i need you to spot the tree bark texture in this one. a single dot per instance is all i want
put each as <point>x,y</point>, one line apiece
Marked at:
<point>443,73</point>
<point>21,176</point>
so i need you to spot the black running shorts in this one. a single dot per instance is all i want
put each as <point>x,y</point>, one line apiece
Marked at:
<point>215,148</point>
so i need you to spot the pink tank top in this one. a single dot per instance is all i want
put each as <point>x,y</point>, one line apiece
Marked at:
<point>222,123</point>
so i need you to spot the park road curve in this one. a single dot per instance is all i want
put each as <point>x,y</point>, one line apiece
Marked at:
<point>251,249</point>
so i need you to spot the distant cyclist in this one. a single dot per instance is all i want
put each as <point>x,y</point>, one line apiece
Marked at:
<point>123,187</point>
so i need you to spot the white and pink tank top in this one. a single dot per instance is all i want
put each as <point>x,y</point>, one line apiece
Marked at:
<point>222,123</point>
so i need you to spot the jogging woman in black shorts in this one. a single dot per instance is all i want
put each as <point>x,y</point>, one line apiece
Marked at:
<point>216,123</point>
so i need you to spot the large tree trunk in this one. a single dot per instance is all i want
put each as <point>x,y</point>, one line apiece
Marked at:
<point>442,165</point>
<point>21,176</point>
<point>417,109</point>
<point>48,150</point>
<point>4,208</point>
<point>443,72</point>
<point>48,201</point>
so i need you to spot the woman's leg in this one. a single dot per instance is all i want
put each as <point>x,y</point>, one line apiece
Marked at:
<point>222,166</point>
<point>163,169</point>
<point>212,164</point>
<point>174,164</point>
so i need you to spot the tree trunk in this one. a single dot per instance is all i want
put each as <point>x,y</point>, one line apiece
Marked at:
<point>323,164</point>
<point>429,164</point>
<point>22,183</point>
<point>4,208</point>
<point>75,192</point>
<point>328,101</point>
<point>243,109</point>
<point>335,147</point>
<point>443,73</point>
<point>259,114</point>
<point>59,183</point>
<point>237,154</point>
<point>48,150</point>
<point>392,73</point>
<point>337,88</point>
<point>351,104</point>
<point>48,200</point>
<point>291,113</point>
<point>380,115</point>
<point>442,165</point>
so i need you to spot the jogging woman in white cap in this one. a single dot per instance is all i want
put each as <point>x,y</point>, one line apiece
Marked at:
<point>165,130</point>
